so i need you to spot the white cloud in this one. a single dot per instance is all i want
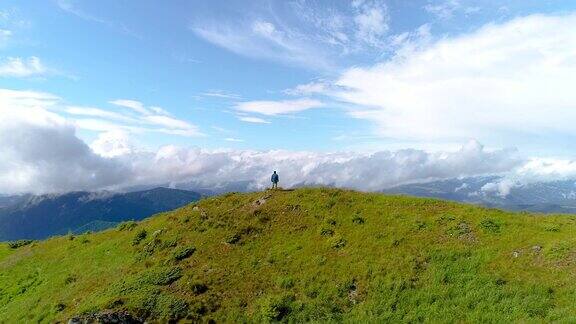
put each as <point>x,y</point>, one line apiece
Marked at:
<point>113,143</point>
<point>271,108</point>
<point>20,68</point>
<point>372,22</point>
<point>260,39</point>
<point>71,7</point>
<point>33,105</point>
<point>100,113</point>
<point>40,152</point>
<point>29,104</point>
<point>534,170</point>
<point>154,116</point>
<point>5,33</point>
<point>173,125</point>
<point>220,94</point>
<point>446,9</point>
<point>254,120</point>
<point>312,35</point>
<point>159,110</point>
<point>500,81</point>
<point>137,106</point>
<point>233,139</point>
<point>308,89</point>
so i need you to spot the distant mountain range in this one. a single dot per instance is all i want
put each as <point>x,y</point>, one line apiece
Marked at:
<point>38,217</point>
<point>544,197</point>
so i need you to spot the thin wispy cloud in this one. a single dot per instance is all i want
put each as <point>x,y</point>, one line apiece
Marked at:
<point>135,105</point>
<point>21,67</point>
<point>254,120</point>
<point>33,105</point>
<point>99,113</point>
<point>73,8</point>
<point>221,94</point>
<point>446,9</point>
<point>272,108</point>
<point>303,34</point>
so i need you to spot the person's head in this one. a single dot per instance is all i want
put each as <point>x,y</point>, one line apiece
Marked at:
<point>274,171</point>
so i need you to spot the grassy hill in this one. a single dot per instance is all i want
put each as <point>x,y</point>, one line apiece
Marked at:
<point>308,254</point>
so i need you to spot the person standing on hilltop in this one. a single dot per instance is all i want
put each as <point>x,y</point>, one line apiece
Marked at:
<point>274,180</point>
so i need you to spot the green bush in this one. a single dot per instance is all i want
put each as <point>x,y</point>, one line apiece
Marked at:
<point>490,226</point>
<point>160,276</point>
<point>183,253</point>
<point>19,243</point>
<point>198,287</point>
<point>234,238</point>
<point>338,242</point>
<point>126,226</point>
<point>358,220</point>
<point>285,282</point>
<point>275,308</point>
<point>141,235</point>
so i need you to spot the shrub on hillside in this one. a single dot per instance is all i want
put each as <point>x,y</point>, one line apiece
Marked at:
<point>127,226</point>
<point>358,220</point>
<point>161,276</point>
<point>141,235</point>
<point>233,239</point>
<point>275,308</point>
<point>198,287</point>
<point>337,242</point>
<point>490,226</point>
<point>183,253</point>
<point>19,243</point>
<point>285,282</point>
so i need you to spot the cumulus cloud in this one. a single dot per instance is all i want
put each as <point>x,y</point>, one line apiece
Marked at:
<point>272,108</point>
<point>501,81</point>
<point>20,67</point>
<point>39,152</point>
<point>533,170</point>
<point>113,143</point>
<point>47,156</point>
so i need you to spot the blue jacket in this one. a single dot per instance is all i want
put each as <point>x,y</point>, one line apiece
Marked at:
<point>274,178</point>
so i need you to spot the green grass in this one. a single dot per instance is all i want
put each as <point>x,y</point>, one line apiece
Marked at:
<point>304,255</point>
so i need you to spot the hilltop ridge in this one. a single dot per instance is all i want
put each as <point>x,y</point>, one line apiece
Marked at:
<point>303,255</point>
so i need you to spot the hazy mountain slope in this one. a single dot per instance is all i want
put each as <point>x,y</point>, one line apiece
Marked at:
<point>39,217</point>
<point>304,255</point>
<point>545,197</point>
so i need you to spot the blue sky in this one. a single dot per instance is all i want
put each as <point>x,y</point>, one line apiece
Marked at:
<point>315,76</point>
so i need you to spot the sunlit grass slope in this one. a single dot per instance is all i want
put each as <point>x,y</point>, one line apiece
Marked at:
<point>304,255</point>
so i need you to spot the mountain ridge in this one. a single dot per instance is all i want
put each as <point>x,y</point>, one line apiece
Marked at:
<point>38,217</point>
<point>298,256</point>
